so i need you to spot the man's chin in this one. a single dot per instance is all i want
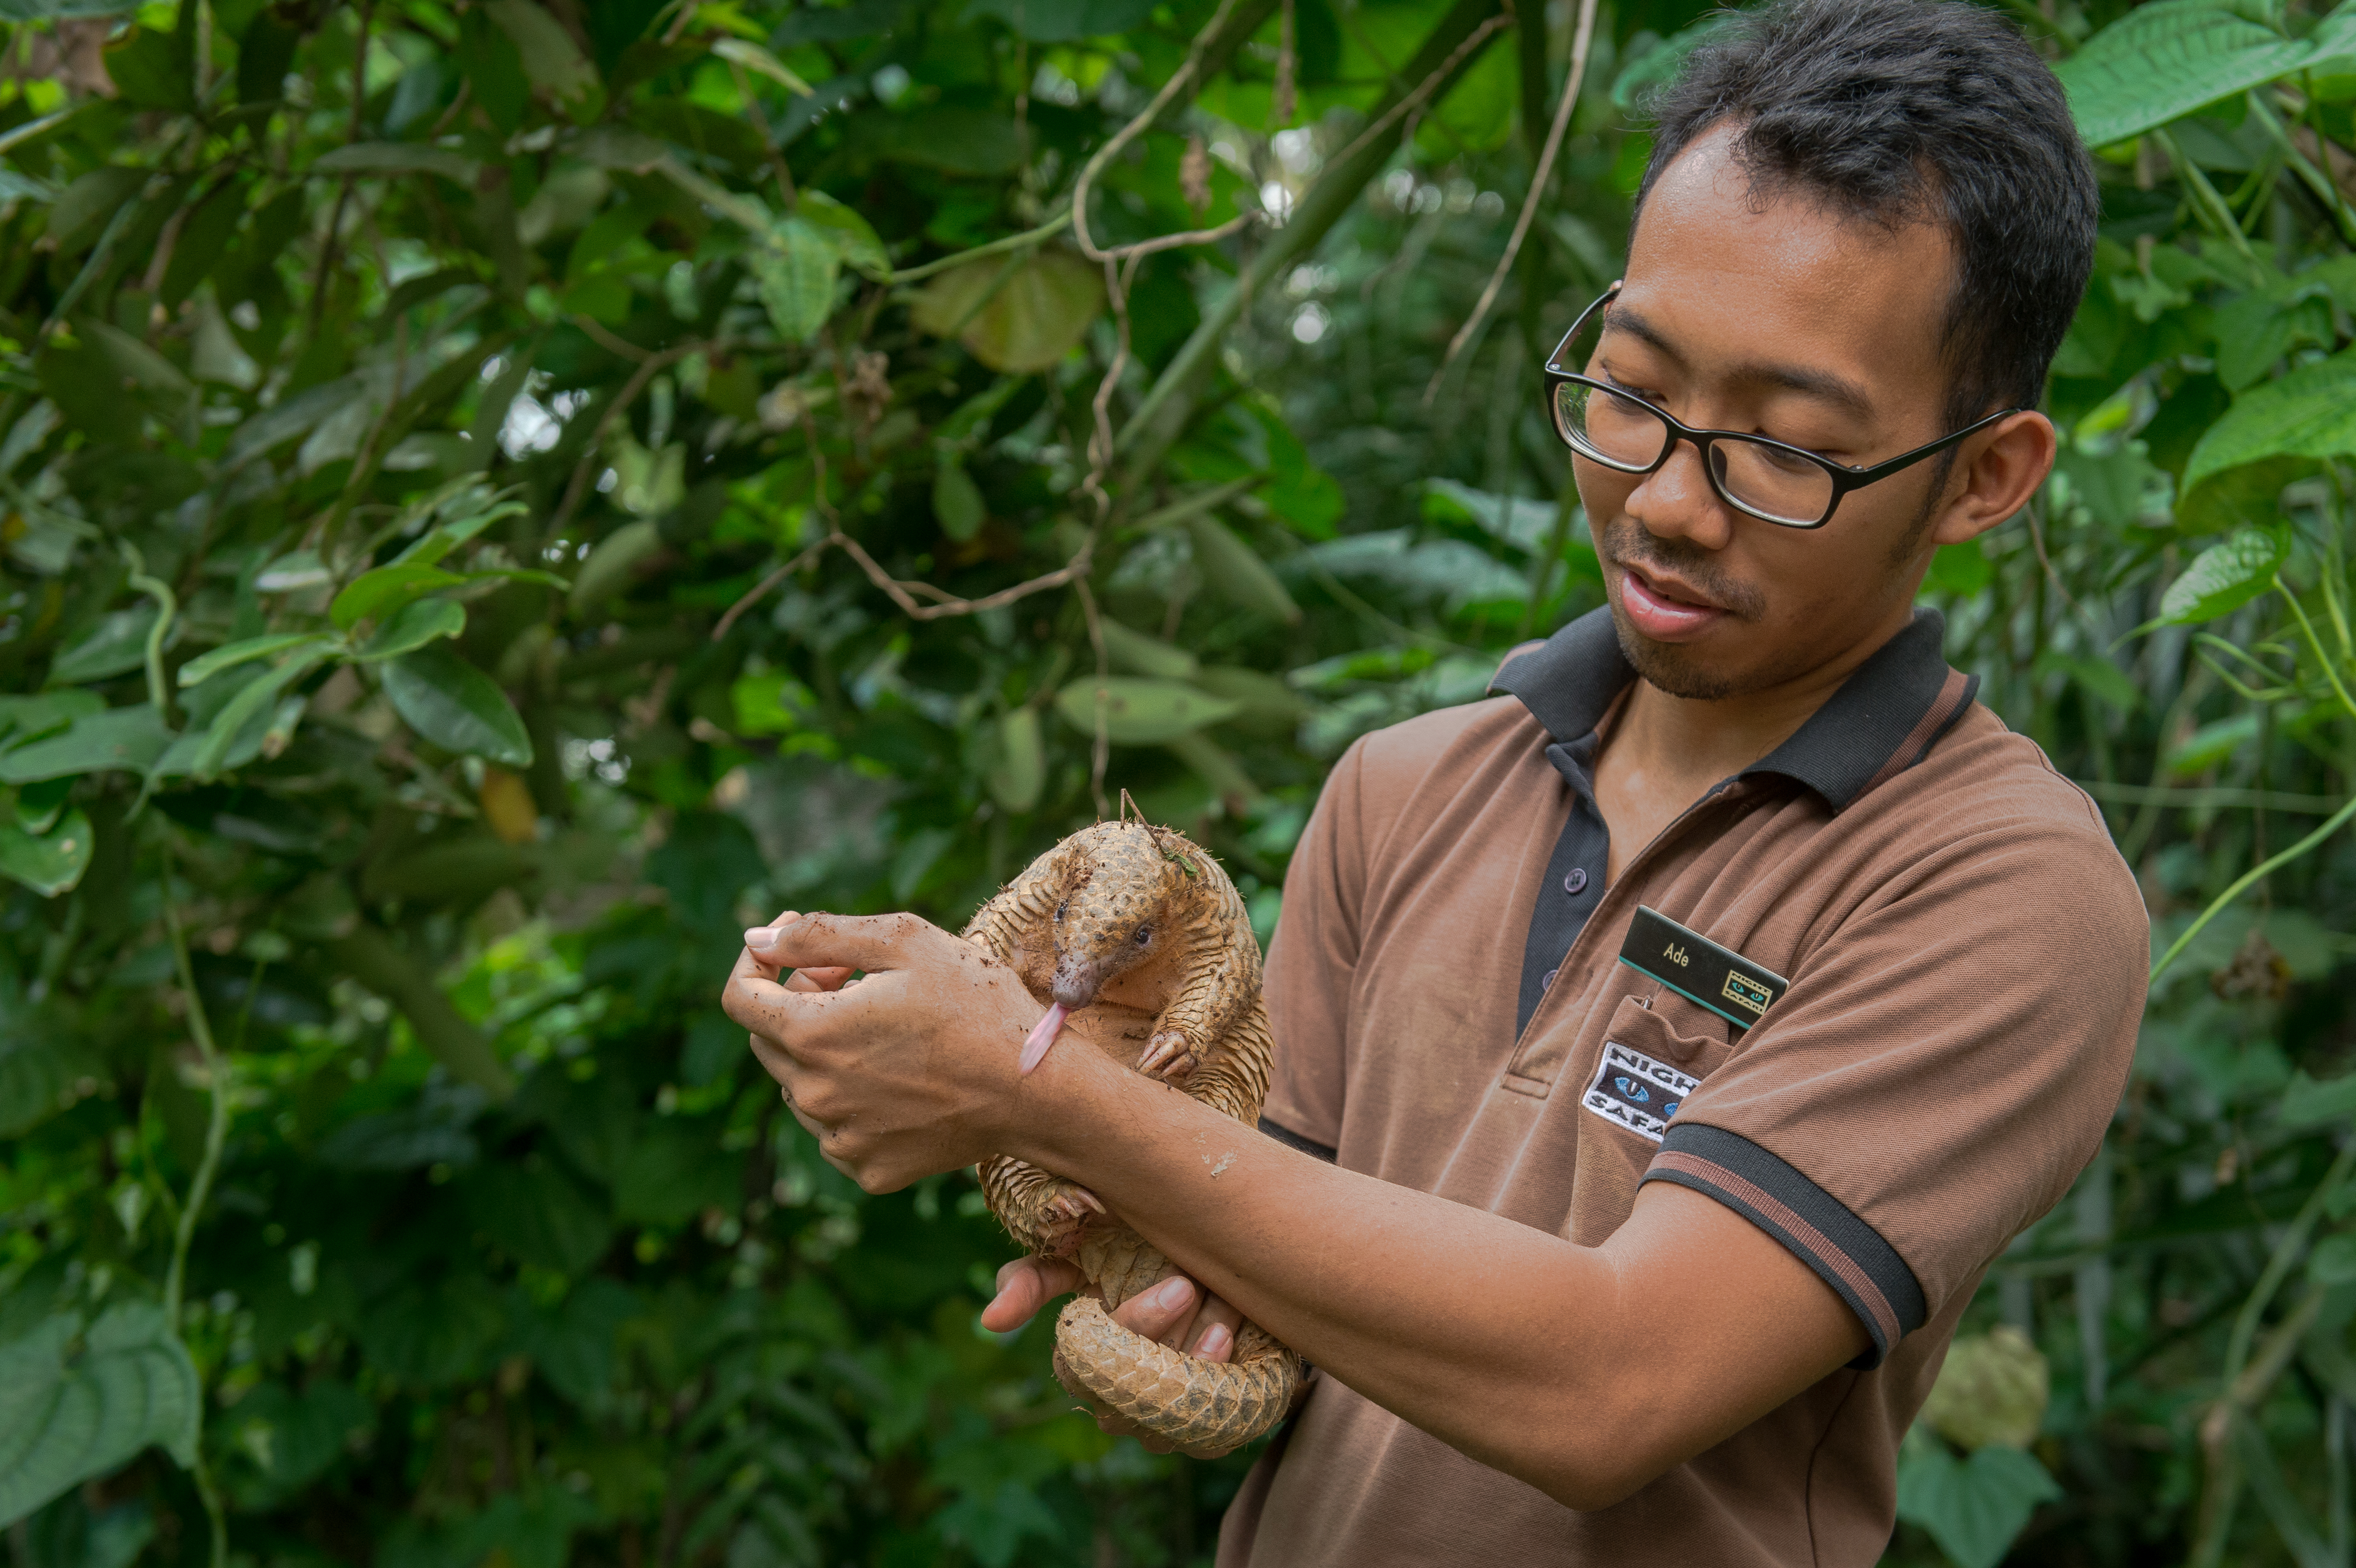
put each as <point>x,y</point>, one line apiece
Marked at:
<point>1672,667</point>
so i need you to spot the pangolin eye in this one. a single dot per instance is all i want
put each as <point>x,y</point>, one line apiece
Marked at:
<point>1061,908</point>
<point>1145,934</point>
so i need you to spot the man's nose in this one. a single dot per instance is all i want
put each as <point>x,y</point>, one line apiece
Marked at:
<point>1678,501</point>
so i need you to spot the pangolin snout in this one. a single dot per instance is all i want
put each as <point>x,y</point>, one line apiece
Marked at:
<point>1076,981</point>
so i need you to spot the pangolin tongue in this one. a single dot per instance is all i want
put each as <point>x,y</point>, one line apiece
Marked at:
<point>1042,1035</point>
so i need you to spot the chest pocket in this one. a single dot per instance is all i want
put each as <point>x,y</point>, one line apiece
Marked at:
<point>1647,1065</point>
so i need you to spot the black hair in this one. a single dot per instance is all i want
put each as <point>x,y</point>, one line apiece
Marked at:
<point>1899,111</point>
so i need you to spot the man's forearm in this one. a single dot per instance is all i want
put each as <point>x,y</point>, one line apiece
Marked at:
<point>1502,1340</point>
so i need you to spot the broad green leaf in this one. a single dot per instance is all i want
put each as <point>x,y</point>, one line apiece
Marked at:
<point>795,274</point>
<point>412,627</point>
<point>134,361</point>
<point>2098,677</point>
<point>221,659</point>
<point>26,719</point>
<point>2225,576</point>
<point>378,594</point>
<point>1236,573</point>
<point>1018,774</point>
<point>1140,712</point>
<point>453,705</point>
<point>2310,1103</point>
<point>300,568</point>
<point>551,60</point>
<point>610,564</point>
<point>1133,652</point>
<point>1017,317</point>
<point>116,645</point>
<point>2210,744</point>
<point>1972,1508</point>
<point>69,1417</point>
<point>399,158</point>
<point>957,500</point>
<point>2162,61</point>
<point>237,732</point>
<point>1651,69</point>
<point>861,247</point>
<point>120,738</point>
<point>2333,1262</point>
<point>49,862</point>
<point>2310,412</point>
<point>539,1215</point>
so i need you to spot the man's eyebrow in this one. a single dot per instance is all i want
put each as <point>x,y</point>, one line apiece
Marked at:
<point>1837,390</point>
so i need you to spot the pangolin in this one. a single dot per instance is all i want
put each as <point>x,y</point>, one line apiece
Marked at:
<point>1142,924</point>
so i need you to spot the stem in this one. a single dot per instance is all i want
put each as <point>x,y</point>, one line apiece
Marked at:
<point>217,1126</point>
<point>2314,642</point>
<point>2339,819</point>
<point>1529,203</point>
<point>168,606</point>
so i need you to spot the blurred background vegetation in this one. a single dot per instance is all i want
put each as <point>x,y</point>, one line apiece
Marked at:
<point>498,495</point>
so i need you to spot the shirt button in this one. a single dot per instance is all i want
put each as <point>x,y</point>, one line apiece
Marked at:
<point>1546,981</point>
<point>1576,882</point>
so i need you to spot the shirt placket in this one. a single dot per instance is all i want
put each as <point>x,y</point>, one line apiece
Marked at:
<point>1538,1049</point>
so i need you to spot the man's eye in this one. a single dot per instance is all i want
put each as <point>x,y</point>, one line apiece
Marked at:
<point>1145,934</point>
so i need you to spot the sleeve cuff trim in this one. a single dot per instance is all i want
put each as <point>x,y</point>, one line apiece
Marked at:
<point>1294,1140</point>
<point>1844,1251</point>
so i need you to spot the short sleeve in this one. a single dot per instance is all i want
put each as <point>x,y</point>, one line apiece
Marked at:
<point>1313,957</point>
<point>1943,1066</point>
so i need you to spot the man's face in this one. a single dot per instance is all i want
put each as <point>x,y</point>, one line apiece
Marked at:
<point>1786,321</point>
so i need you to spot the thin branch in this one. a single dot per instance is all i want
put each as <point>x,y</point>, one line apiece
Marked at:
<point>1562,111</point>
<point>1180,80</point>
<point>578,486</point>
<point>605,340</point>
<point>754,594</point>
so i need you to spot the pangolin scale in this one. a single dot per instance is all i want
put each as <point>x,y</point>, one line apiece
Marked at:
<point>1144,925</point>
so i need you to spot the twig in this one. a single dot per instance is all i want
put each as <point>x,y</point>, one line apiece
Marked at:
<point>621,347</point>
<point>1179,79</point>
<point>2218,907</point>
<point>578,486</point>
<point>1570,86</point>
<point>215,1136</point>
<point>2036,538</point>
<point>1047,230</point>
<point>1414,100</point>
<point>768,142</point>
<point>758,590</point>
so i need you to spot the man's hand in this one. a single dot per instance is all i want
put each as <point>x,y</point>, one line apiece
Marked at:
<point>1174,1313</point>
<point>908,1072</point>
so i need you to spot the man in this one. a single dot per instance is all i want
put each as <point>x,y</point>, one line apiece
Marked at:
<point>1666,1046</point>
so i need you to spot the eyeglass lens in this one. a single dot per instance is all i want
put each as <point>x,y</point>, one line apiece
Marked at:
<point>1627,433</point>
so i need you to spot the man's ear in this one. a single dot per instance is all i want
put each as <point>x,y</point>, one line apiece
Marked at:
<point>1998,474</point>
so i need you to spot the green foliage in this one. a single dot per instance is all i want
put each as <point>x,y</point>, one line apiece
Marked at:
<point>498,497</point>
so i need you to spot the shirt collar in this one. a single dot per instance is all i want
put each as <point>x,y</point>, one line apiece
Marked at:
<point>1884,719</point>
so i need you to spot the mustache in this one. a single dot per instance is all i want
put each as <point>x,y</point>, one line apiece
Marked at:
<point>1629,543</point>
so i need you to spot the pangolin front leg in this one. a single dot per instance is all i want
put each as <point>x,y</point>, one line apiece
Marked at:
<point>1043,1212</point>
<point>1220,982</point>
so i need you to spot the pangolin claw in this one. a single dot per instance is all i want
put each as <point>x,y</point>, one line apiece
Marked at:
<point>1168,1056</point>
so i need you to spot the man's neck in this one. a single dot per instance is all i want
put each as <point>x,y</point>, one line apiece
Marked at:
<point>1663,753</point>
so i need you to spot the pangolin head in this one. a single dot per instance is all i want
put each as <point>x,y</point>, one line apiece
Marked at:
<point>1125,888</point>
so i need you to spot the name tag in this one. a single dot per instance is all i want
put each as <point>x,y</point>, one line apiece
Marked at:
<point>1699,970</point>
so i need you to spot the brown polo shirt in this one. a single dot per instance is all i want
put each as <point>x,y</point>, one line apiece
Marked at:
<point>1966,955</point>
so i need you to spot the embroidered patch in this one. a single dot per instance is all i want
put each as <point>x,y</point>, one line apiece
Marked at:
<point>1633,1091</point>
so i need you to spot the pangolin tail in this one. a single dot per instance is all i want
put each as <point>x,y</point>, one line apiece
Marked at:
<point>1193,1402</point>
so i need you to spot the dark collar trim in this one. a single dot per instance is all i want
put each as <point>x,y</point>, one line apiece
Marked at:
<point>1884,719</point>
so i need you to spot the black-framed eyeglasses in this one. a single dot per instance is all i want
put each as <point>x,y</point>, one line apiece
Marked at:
<point>1770,480</point>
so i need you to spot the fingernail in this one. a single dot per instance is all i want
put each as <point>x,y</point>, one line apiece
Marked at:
<point>1215,1339</point>
<point>760,936</point>
<point>1173,1293</point>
